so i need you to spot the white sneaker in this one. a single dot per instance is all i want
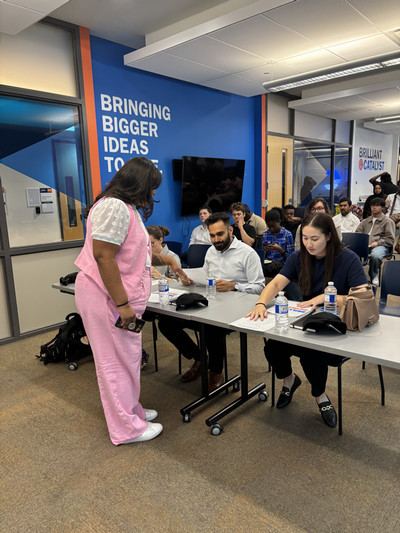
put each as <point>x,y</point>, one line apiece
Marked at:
<point>151,414</point>
<point>152,431</point>
<point>375,281</point>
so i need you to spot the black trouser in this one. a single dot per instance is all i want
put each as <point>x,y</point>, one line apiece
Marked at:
<point>314,363</point>
<point>272,269</point>
<point>215,337</point>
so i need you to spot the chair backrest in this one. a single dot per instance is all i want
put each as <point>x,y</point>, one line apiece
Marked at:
<point>358,242</point>
<point>175,246</point>
<point>261,253</point>
<point>390,284</point>
<point>196,254</point>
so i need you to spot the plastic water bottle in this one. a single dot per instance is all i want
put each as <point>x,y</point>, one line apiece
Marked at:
<point>281,312</point>
<point>330,298</point>
<point>211,286</point>
<point>163,291</point>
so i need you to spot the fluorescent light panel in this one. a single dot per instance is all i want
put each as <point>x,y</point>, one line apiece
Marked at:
<point>388,120</point>
<point>354,67</point>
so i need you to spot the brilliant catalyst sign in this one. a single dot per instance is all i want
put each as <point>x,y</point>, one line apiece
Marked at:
<point>371,159</point>
<point>129,128</point>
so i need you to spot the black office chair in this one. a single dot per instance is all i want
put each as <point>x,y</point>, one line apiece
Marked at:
<point>175,246</point>
<point>359,243</point>
<point>390,285</point>
<point>196,254</point>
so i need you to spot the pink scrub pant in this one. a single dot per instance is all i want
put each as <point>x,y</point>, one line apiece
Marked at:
<point>117,354</point>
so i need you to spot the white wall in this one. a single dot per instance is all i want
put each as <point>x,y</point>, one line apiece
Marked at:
<point>25,227</point>
<point>373,153</point>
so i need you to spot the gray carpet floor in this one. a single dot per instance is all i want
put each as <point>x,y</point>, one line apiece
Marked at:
<point>269,471</point>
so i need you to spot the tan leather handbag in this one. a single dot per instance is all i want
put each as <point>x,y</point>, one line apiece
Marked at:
<point>359,309</point>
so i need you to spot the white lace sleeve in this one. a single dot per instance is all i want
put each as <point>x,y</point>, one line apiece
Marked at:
<point>110,221</point>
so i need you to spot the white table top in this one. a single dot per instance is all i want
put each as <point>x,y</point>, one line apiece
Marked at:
<point>377,344</point>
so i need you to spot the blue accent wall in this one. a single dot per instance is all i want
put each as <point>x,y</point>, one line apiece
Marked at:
<point>193,121</point>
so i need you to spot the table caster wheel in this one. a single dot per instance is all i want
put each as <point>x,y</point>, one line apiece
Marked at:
<point>263,396</point>
<point>236,386</point>
<point>216,429</point>
<point>73,366</point>
<point>186,418</point>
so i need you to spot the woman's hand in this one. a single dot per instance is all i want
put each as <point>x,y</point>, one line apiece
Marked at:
<point>127,314</point>
<point>181,276</point>
<point>155,273</point>
<point>313,303</point>
<point>258,312</point>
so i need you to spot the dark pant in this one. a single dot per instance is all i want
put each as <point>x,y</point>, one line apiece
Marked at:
<point>272,269</point>
<point>215,337</point>
<point>314,363</point>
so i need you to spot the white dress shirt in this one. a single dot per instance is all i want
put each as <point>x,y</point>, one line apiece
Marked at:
<point>239,263</point>
<point>348,224</point>
<point>395,197</point>
<point>200,235</point>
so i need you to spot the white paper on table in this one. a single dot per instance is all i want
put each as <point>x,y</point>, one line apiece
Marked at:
<point>173,295</point>
<point>255,325</point>
<point>198,275</point>
<point>294,310</point>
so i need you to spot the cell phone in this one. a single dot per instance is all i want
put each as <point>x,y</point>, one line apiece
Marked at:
<point>137,328</point>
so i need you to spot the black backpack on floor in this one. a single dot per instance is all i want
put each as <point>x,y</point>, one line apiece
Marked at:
<point>69,345</point>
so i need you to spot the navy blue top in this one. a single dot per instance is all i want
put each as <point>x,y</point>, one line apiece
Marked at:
<point>347,272</point>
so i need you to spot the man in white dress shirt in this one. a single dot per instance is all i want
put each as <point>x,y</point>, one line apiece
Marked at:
<point>200,233</point>
<point>347,220</point>
<point>237,267</point>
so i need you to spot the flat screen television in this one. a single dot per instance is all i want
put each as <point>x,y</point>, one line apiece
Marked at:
<point>211,181</point>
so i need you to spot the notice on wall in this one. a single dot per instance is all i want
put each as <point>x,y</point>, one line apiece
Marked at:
<point>46,200</point>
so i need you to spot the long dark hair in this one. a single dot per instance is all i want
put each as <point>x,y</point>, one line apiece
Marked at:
<point>134,184</point>
<point>325,224</point>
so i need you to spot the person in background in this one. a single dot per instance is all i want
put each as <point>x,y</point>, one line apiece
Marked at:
<point>305,192</point>
<point>377,193</point>
<point>277,243</point>
<point>257,223</point>
<point>381,230</point>
<point>237,267</point>
<point>115,282</point>
<point>388,187</point>
<point>200,233</point>
<point>242,231</point>
<point>393,212</point>
<point>347,221</point>
<point>290,222</point>
<point>157,235</point>
<point>317,205</point>
<point>321,258</point>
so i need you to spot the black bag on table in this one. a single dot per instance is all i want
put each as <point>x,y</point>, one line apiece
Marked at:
<point>69,345</point>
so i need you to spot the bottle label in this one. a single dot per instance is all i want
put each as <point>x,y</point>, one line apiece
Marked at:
<point>281,309</point>
<point>211,282</point>
<point>330,298</point>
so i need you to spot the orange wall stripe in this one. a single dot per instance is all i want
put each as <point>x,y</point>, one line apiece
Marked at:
<point>263,151</point>
<point>90,110</point>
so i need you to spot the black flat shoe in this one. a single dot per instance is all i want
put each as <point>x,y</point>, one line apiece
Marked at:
<point>328,413</point>
<point>285,396</point>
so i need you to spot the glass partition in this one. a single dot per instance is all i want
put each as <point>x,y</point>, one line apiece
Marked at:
<point>41,171</point>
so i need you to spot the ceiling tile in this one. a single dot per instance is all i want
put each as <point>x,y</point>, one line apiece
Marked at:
<point>235,84</point>
<point>174,67</point>
<point>267,72</point>
<point>43,6</point>
<point>385,14</point>
<point>260,36</point>
<point>363,48</point>
<point>216,54</point>
<point>14,19</point>
<point>325,22</point>
<point>318,59</point>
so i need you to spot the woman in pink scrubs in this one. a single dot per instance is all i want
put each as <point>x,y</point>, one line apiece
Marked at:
<point>114,280</point>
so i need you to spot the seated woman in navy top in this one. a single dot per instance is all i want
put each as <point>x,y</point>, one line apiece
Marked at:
<point>321,258</point>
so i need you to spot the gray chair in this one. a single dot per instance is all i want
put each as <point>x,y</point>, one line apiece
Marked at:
<point>390,285</point>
